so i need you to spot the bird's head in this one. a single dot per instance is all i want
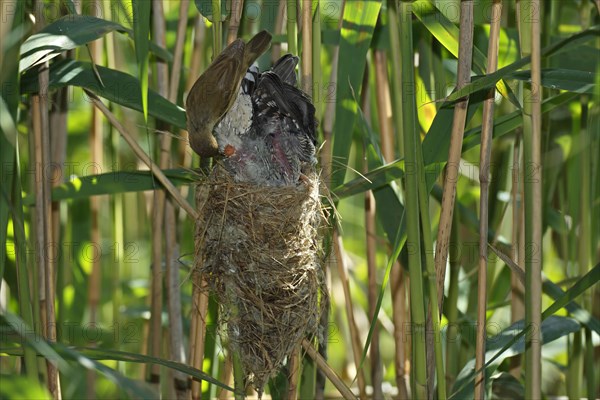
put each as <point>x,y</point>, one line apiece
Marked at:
<point>202,141</point>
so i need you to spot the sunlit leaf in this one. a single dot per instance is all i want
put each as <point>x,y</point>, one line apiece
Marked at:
<point>141,32</point>
<point>20,387</point>
<point>136,389</point>
<point>445,31</point>
<point>67,33</point>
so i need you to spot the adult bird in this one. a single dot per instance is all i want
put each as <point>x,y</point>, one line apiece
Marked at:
<point>216,90</point>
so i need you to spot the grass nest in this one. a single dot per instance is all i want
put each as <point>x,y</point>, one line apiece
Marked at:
<point>260,252</point>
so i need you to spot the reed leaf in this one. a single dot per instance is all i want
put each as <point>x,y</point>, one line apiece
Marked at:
<point>120,88</point>
<point>358,24</point>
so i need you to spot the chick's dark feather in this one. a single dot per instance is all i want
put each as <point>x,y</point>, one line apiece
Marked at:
<point>275,97</point>
<point>285,69</point>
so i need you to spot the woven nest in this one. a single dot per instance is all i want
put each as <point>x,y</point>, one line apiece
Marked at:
<point>258,248</point>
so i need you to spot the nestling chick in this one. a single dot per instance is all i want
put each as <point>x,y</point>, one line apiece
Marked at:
<point>268,136</point>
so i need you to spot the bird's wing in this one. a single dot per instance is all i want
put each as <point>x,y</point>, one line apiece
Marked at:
<point>220,80</point>
<point>272,93</point>
<point>285,68</point>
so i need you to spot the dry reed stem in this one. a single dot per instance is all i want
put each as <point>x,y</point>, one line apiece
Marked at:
<point>517,307</point>
<point>156,295</point>
<point>178,51</point>
<point>184,153</point>
<point>235,18</point>
<point>306,65</point>
<point>198,328</point>
<point>373,290</point>
<point>225,377</point>
<point>484,179</point>
<point>294,374</point>
<point>173,292</point>
<point>139,152</point>
<point>96,144</point>
<point>158,204</point>
<point>456,139</point>
<point>398,285</point>
<point>278,30</point>
<point>354,334</point>
<point>58,151</point>
<point>43,213</point>
<point>328,371</point>
<point>43,230</point>
<point>534,284</point>
<point>384,106</point>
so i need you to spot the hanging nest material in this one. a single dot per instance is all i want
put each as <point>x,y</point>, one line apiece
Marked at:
<point>259,250</point>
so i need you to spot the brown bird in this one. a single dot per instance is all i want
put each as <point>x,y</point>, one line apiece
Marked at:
<point>216,90</point>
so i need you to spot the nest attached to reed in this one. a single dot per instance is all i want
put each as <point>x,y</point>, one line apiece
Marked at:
<point>260,252</point>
